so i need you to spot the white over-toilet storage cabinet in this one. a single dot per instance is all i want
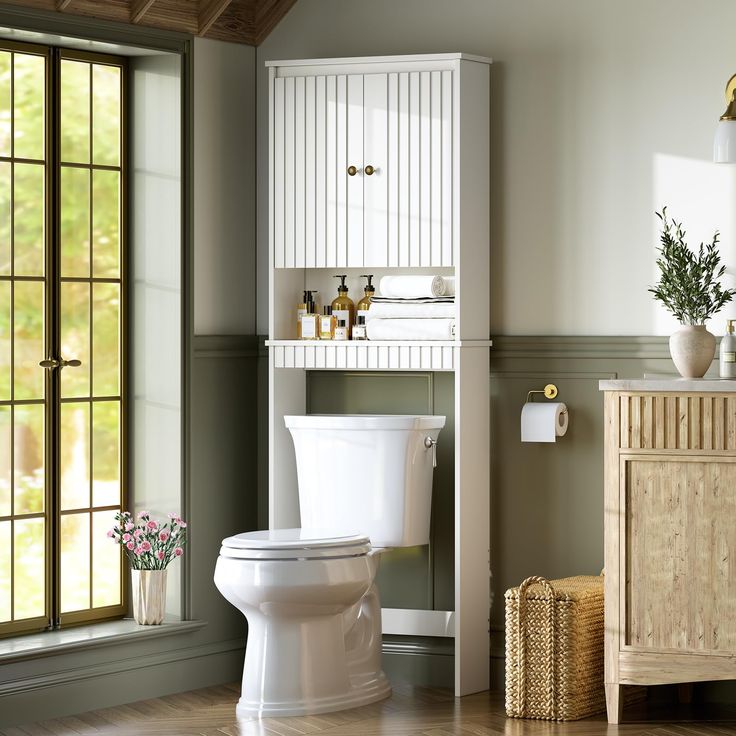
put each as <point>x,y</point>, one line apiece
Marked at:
<point>382,163</point>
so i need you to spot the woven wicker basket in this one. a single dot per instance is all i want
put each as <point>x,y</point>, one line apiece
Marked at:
<point>554,648</point>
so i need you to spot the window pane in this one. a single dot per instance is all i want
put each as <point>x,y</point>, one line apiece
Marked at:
<point>106,339</point>
<point>6,71</point>
<point>106,223</point>
<point>5,337</point>
<point>5,455</point>
<point>75,338</point>
<point>106,458</point>
<point>5,188</point>
<point>29,459</point>
<point>105,561</point>
<point>6,610</point>
<point>106,114</point>
<point>74,222</point>
<point>28,98</point>
<point>30,573</point>
<point>74,443</point>
<point>28,210</point>
<point>75,562</point>
<point>28,339</point>
<point>75,111</point>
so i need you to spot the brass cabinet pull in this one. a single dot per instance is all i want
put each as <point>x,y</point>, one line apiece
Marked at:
<point>352,171</point>
<point>369,170</point>
<point>54,363</point>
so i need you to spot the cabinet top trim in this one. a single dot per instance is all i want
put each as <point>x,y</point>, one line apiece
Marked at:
<point>380,60</point>
<point>671,385</point>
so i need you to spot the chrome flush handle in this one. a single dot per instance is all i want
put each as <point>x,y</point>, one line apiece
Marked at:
<point>429,443</point>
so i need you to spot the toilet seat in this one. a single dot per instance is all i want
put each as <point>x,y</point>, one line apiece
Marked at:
<point>294,544</point>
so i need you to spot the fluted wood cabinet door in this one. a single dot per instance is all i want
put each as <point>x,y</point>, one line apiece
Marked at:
<point>363,170</point>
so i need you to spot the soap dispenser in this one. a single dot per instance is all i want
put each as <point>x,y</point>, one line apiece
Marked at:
<point>365,303</point>
<point>727,352</point>
<point>343,306</point>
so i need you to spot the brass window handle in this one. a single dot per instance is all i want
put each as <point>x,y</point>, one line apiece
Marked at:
<point>60,363</point>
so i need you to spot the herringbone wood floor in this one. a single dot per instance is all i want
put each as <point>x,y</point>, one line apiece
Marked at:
<point>409,712</point>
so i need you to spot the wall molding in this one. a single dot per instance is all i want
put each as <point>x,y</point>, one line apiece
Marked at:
<point>116,666</point>
<point>583,346</point>
<point>504,346</point>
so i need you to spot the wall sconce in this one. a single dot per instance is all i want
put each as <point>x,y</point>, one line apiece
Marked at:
<point>724,145</point>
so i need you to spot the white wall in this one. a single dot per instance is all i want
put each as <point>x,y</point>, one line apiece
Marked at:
<point>224,179</point>
<point>156,193</point>
<point>602,112</point>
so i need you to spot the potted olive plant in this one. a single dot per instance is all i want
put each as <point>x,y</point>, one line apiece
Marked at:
<point>689,287</point>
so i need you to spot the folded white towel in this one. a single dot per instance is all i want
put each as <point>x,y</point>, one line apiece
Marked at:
<point>416,286</point>
<point>411,309</point>
<point>411,329</point>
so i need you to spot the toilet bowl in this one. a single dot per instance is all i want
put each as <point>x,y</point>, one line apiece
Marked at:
<point>308,594</point>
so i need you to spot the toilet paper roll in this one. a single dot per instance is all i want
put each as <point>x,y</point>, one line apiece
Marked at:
<point>543,422</point>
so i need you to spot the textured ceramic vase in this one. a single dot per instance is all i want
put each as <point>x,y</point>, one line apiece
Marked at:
<point>692,349</point>
<point>149,595</point>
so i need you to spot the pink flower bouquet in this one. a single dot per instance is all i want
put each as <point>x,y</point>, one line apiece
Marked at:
<point>148,544</point>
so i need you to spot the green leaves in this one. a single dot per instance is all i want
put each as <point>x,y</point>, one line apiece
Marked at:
<point>689,285</point>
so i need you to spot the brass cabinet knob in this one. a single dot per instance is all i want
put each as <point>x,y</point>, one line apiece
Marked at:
<point>369,170</point>
<point>352,171</point>
<point>54,363</point>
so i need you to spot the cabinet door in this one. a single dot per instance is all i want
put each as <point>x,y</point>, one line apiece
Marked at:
<point>679,548</point>
<point>400,215</point>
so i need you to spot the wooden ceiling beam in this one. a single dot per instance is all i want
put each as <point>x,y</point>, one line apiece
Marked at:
<point>138,8</point>
<point>209,12</point>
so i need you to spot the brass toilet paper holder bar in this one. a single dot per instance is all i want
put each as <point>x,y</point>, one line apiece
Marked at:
<point>550,392</point>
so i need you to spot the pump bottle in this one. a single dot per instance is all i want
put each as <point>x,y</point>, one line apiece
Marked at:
<point>361,310</point>
<point>727,352</point>
<point>343,306</point>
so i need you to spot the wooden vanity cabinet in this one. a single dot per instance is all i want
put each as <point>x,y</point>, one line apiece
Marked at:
<point>670,539</point>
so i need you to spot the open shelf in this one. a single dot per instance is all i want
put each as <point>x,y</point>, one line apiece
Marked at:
<point>370,355</point>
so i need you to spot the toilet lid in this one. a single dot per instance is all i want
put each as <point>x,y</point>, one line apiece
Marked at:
<point>294,544</point>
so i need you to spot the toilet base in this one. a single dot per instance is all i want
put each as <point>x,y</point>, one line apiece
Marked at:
<point>370,691</point>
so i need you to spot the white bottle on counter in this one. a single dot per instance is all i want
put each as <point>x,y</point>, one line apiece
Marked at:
<point>727,352</point>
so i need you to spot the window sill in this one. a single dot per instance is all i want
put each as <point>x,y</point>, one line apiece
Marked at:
<point>51,643</point>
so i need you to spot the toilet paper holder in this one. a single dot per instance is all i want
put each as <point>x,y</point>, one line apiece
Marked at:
<point>550,392</point>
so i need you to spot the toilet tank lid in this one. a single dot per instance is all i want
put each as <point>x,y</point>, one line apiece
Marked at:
<point>293,539</point>
<point>364,421</point>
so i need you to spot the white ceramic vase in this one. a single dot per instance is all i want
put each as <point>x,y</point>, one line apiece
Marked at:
<point>692,349</point>
<point>149,596</point>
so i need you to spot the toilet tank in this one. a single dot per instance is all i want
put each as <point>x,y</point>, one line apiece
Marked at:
<point>366,473</point>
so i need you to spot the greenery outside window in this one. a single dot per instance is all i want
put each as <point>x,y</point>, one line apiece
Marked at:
<point>62,298</point>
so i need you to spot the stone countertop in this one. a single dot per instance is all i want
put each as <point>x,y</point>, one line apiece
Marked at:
<point>671,385</point>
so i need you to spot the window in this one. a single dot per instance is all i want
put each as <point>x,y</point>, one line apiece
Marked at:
<point>62,298</point>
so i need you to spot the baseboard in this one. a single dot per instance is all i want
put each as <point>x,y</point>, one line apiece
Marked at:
<point>122,680</point>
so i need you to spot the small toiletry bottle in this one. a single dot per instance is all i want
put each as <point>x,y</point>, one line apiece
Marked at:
<point>359,332</point>
<point>343,306</point>
<point>727,351</point>
<point>327,324</point>
<point>310,320</point>
<point>341,331</point>
<point>365,303</point>
<point>301,310</point>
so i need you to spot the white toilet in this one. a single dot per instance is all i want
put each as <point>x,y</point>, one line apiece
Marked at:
<point>314,615</point>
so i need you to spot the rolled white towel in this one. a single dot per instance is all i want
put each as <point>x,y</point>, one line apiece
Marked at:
<point>428,310</point>
<point>411,329</point>
<point>416,286</point>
